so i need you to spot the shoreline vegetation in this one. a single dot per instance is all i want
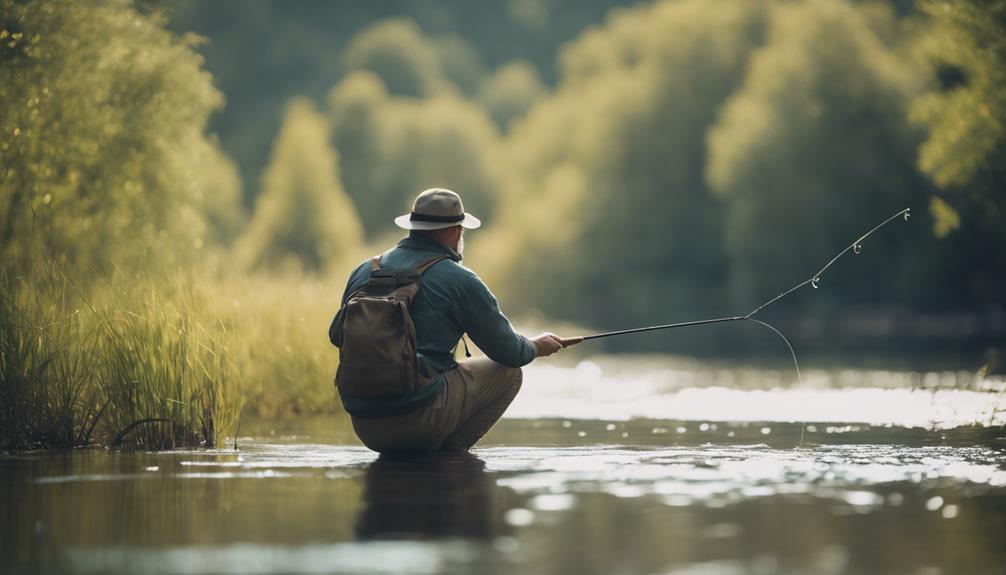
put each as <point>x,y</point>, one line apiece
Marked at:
<point>156,362</point>
<point>153,362</point>
<point>683,160</point>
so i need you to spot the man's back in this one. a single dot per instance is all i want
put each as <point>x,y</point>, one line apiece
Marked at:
<point>451,301</point>
<point>464,400</point>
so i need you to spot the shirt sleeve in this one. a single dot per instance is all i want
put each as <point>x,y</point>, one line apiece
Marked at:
<point>480,316</point>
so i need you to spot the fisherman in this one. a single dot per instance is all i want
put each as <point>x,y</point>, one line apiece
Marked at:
<point>459,402</point>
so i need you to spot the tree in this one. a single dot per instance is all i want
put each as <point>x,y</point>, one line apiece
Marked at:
<point>303,218</point>
<point>396,50</point>
<point>264,52</point>
<point>604,209</point>
<point>395,147</point>
<point>511,91</point>
<point>814,148</point>
<point>218,193</point>
<point>964,45</point>
<point>103,155</point>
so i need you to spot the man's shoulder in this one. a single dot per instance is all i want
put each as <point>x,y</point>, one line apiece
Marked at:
<point>455,270</point>
<point>461,279</point>
<point>360,269</point>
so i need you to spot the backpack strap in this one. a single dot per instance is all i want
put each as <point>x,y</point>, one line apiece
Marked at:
<point>421,268</point>
<point>384,281</point>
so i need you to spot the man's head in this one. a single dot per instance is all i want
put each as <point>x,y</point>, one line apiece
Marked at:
<point>435,209</point>
<point>439,214</point>
<point>452,237</point>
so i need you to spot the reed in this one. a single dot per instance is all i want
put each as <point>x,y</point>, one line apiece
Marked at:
<point>281,344</point>
<point>48,395</point>
<point>156,361</point>
<point>164,367</point>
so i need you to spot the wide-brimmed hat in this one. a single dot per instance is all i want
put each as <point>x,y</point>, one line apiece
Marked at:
<point>435,209</point>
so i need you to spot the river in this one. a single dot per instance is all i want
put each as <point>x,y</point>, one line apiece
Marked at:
<point>607,465</point>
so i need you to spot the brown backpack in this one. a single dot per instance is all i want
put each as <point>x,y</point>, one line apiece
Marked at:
<point>376,336</point>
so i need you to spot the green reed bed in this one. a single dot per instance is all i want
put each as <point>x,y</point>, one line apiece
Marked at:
<point>156,362</point>
<point>164,368</point>
<point>48,394</point>
<point>282,346</point>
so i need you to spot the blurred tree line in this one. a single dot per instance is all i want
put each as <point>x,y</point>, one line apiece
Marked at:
<point>660,162</point>
<point>264,52</point>
<point>103,154</point>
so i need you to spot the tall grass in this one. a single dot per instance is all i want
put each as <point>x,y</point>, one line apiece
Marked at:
<point>164,367</point>
<point>282,346</point>
<point>156,361</point>
<point>47,361</point>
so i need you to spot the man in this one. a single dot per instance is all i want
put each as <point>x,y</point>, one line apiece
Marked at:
<point>464,400</point>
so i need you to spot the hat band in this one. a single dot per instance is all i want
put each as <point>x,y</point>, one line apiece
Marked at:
<point>414,217</point>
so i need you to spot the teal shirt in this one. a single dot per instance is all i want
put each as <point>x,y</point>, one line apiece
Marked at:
<point>451,301</point>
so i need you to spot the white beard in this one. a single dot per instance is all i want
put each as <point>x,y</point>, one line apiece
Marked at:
<point>461,245</point>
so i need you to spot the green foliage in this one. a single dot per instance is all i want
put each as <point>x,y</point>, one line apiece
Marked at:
<point>133,362</point>
<point>460,62</point>
<point>217,193</point>
<point>101,140</point>
<point>397,52</point>
<point>393,148</point>
<point>302,218</point>
<point>511,91</point>
<point>156,360</point>
<point>966,117</point>
<point>604,193</point>
<point>277,339</point>
<point>813,146</point>
<point>48,389</point>
<point>964,44</point>
<point>945,218</point>
<point>694,157</point>
<point>164,373</point>
<point>264,52</point>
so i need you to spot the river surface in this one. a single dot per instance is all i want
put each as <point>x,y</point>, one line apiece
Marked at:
<point>647,465</point>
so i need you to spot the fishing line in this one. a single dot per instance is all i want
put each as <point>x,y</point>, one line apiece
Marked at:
<point>856,247</point>
<point>796,364</point>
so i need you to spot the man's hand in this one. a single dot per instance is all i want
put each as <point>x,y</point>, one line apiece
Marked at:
<point>546,344</point>
<point>549,343</point>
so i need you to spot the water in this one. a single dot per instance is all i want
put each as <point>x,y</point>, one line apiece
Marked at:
<point>609,466</point>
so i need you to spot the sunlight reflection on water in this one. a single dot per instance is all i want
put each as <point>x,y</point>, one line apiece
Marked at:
<point>606,466</point>
<point>619,390</point>
<point>276,507</point>
<point>395,557</point>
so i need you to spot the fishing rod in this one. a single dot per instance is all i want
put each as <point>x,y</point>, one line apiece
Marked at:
<point>814,280</point>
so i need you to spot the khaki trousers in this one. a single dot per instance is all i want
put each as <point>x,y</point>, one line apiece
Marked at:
<point>475,395</point>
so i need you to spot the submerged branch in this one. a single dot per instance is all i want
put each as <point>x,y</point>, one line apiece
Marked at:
<point>122,434</point>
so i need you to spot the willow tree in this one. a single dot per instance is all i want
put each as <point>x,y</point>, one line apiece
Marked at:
<point>604,210</point>
<point>103,155</point>
<point>303,218</point>
<point>511,91</point>
<point>398,52</point>
<point>815,147</point>
<point>395,147</point>
<point>964,153</point>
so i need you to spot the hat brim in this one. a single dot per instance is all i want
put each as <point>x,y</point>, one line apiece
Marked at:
<point>470,222</point>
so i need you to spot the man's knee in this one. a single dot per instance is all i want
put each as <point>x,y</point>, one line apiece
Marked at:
<point>496,375</point>
<point>514,376</point>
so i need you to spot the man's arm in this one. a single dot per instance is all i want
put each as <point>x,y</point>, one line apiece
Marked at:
<point>480,316</point>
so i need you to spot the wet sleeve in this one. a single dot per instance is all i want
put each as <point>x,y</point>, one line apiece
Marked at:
<point>481,318</point>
